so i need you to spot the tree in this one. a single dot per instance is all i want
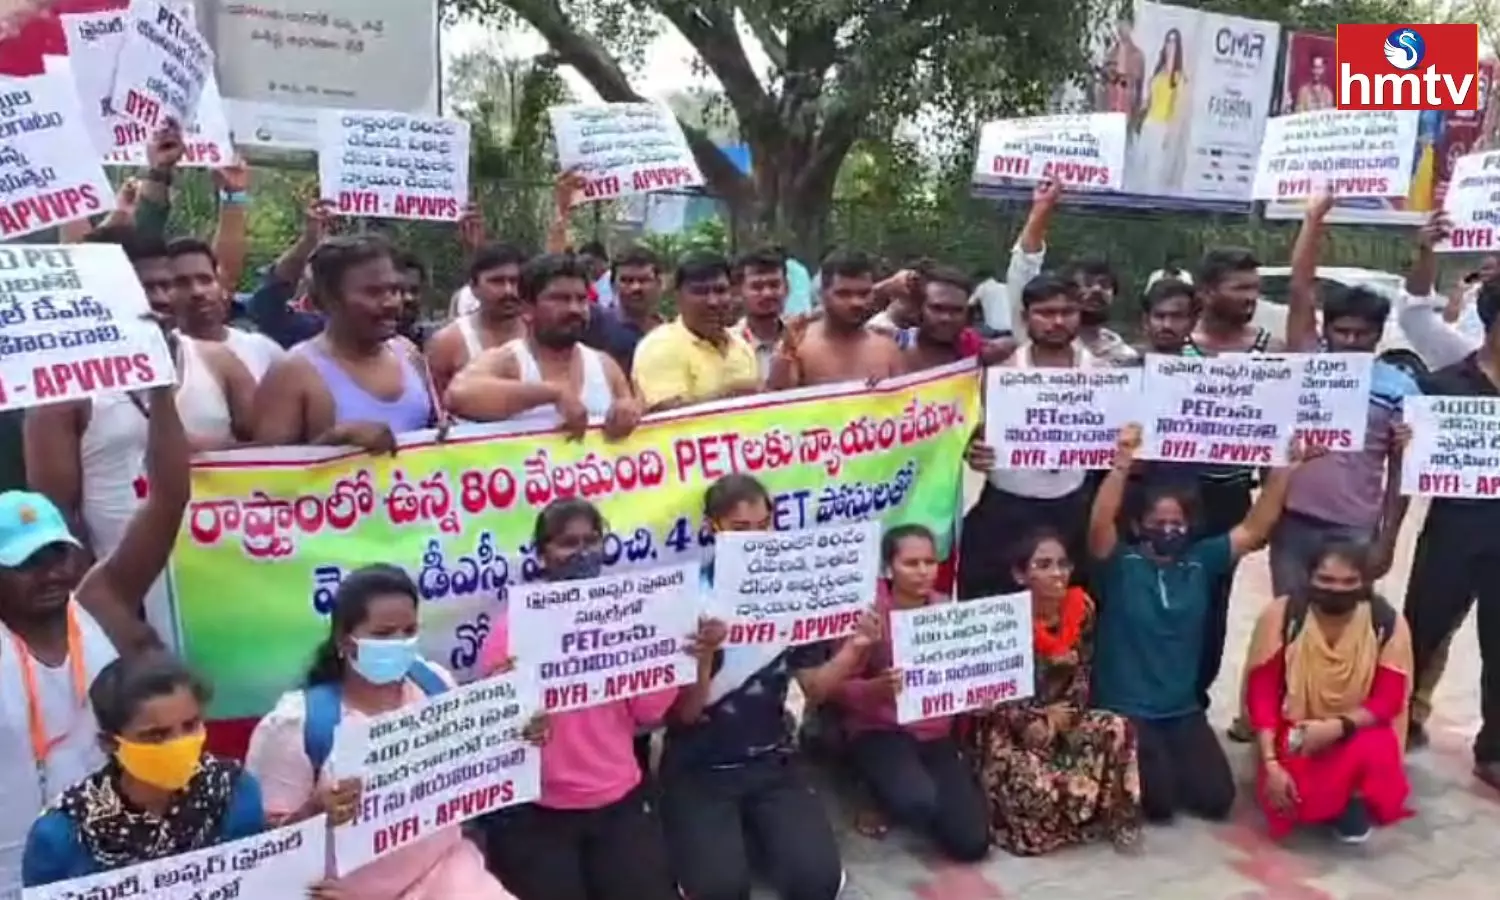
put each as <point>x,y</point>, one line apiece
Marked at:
<point>840,70</point>
<point>505,101</point>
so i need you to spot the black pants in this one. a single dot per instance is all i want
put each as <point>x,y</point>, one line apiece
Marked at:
<point>1457,561</point>
<point>996,525</point>
<point>1223,506</point>
<point>1183,769</point>
<point>926,786</point>
<point>612,853</point>
<point>716,820</point>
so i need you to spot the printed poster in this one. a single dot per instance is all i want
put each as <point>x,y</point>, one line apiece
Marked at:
<point>622,149</point>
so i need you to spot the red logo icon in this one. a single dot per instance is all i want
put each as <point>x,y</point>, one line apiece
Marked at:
<point>1410,67</point>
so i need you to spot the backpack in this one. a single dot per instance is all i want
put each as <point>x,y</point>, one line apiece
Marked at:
<point>1382,618</point>
<point>325,709</point>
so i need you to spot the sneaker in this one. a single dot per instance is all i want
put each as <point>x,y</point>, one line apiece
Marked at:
<point>1240,732</point>
<point>1416,736</point>
<point>1353,824</point>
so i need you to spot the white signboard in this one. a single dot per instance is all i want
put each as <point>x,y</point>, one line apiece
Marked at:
<point>1333,405</point>
<point>71,326</point>
<point>436,765</point>
<point>163,65</point>
<point>1086,150</point>
<point>1455,447</point>
<point>1233,409</point>
<point>281,863</point>
<point>1351,153</point>
<point>1473,204</point>
<point>1058,418</point>
<point>393,166</point>
<point>957,657</point>
<point>795,587</point>
<point>49,173</point>
<point>605,639</point>
<point>623,148</point>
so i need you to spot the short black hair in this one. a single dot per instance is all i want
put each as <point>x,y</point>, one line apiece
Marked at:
<point>351,606</point>
<point>1092,268</point>
<point>1044,287</point>
<point>1219,263</point>
<point>700,265</point>
<point>760,259</point>
<point>1357,554</point>
<point>732,490</point>
<point>633,257</point>
<point>936,274</point>
<point>848,264</point>
<point>493,256</point>
<point>594,248</point>
<point>542,270</point>
<point>890,542</point>
<point>555,516</point>
<point>121,687</point>
<point>1168,289</point>
<point>138,247</point>
<point>1342,301</point>
<point>406,261</point>
<point>191,246</point>
<point>336,256</point>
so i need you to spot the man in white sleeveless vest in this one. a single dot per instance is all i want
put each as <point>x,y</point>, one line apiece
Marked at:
<point>57,630</point>
<point>548,379</point>
<point>494,277</point>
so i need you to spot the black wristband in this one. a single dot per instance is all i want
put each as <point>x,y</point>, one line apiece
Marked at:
<point>160,176</point>
<point>1349,727</point>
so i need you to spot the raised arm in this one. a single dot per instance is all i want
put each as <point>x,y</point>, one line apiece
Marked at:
<point>1104,533</point>
<point>50,439</point>
<point>1438,343</point>
<point>565,192</point>
<point>1302,297</point>
<point>154,191</point>
<point>1030,251</point>
<point>114,590</point>
<point>268,307</point>
<point>230,246</point>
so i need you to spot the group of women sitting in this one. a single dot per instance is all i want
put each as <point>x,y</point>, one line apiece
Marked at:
<point>1111,737</point>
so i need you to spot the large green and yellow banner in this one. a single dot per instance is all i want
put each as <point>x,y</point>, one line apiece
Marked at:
<point>271,532</point>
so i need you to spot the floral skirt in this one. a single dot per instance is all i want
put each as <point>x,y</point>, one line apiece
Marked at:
<point>1085,787</point>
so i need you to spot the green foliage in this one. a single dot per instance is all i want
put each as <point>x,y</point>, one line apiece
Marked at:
<point>1316,15</point>
<point>505,101</point>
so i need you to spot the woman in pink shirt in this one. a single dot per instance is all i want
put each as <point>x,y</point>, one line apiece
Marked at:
<point>592,834</point>
<point>915,772</point>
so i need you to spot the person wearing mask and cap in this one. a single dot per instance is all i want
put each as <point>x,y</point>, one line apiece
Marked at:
<point>59,630</point>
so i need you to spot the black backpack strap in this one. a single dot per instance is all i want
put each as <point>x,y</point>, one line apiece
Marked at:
<point>1383,619</point>
<point>1294,618</point>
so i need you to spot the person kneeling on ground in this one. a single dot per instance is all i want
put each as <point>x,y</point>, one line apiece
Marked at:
<point>915,772</point>
<point>1330,677</point>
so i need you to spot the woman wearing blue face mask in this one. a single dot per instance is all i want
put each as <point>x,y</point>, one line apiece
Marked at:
<point>369,664</point>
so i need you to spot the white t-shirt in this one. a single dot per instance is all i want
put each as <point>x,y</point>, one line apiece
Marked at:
<point>76,756</point>
<point>255,350</point>
<point>1041,484</point>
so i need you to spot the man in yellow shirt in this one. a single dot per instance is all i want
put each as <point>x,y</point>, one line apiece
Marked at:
<point>696,358</point>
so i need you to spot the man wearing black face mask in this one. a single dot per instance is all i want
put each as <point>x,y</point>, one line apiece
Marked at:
<point>1457,558</point>
<point>1097,286</point>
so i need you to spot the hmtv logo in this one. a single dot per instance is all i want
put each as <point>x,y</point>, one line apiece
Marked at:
<point>1408,67</point>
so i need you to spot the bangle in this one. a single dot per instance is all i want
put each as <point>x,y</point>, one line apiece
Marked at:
<point>160,176</point>
<point>233,198</point>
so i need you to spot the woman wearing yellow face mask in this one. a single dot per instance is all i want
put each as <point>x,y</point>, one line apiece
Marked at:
<point>158,795</point>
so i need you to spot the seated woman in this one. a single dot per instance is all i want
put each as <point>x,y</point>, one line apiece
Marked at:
<point>1155,592</point>
<point>592,834</point>
<point>1057,772</point>
<point>158,795</point>
<point>368,665</point>
<point>915,772</point>
<point>1330,678</point>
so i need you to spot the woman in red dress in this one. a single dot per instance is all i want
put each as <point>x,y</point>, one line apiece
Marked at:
<point>1328,689</point>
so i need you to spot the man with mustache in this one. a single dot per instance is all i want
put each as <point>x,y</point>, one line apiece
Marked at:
<point>494,278</point>
<point>837,346</point>
<point>1097,285</point>
<point>635,276</point>
<point>697,357</point>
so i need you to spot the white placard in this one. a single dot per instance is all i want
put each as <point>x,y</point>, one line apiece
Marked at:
<point>1333,403</point>
<point>71,326</point>
<point>1233,409</point>
<point>1473,204</point>
<point>795,587</point>
<point>1058,418</point>
<point>49,174</point>
<point>163,65</point>
<point>1350,152</point>
<point>281,863</point>
<point>606,639</point>
<point>623,148</point>
<point>1085,150</point>
<point>393,166</point>
<point>957,657</point>
<point>436,765</point>
<point>1455,447</point>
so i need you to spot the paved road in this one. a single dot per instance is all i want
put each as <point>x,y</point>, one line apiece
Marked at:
<point>1449,851</point>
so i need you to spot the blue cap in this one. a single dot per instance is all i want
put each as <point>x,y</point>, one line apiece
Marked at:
<point>29,522</point>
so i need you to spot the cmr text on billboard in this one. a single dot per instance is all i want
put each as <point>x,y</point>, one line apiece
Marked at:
<point>1408,67</point>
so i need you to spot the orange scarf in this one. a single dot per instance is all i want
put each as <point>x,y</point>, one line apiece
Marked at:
<point>1075,611</point>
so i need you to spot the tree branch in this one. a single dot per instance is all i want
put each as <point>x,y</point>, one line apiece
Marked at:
<point>711,29</point>
<point>765,33</point>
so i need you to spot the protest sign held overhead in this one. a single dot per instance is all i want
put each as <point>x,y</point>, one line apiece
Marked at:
<point>1350,153</point>
<point>623,148</point>
<point>72,326</point>
<point>1473,205</point>
<point>604,639</point>
<point>1058,418</point>
<point>281,863</point>
<point>436,765</point>
<point>1079,151</point>
<point>1333,404</point>
<point>795,587</point>
<point>1231,409</point>
<point>392,165</point>
<point>1455,447</point>
<point>957,657</point>
<point>49,172</point>
<point>163,65</point>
